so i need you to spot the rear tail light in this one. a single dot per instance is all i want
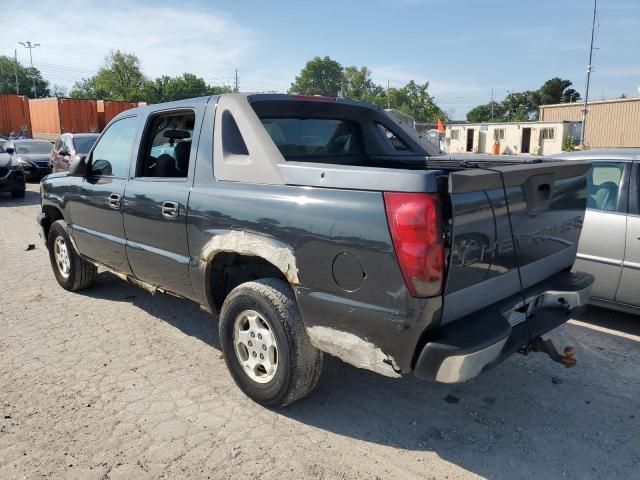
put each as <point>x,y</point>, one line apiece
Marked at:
<point>414,222</point>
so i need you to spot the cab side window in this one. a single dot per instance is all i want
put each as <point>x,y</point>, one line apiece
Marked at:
<point>603,185</point>
<point>112,153</point>
<point>166,145</point>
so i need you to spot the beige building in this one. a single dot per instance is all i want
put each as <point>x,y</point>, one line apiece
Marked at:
<point>535,138</point>
<point>610,123</point>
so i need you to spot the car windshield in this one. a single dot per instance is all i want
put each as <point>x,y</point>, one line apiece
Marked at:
<point>84,144</point>
<point>33,147</point>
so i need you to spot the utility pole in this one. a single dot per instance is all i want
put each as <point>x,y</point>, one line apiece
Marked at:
<point>492,104</point>
<point>31,46</point>
<point>589,70</point>
<point>388,101</point>
<point>236,86</point>
<point>15,56</point>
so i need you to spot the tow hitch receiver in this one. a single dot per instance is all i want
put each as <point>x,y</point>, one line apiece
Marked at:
<point>538,344</point>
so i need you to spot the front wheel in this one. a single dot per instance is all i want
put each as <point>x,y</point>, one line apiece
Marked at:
<point>265,344</point>
<point>18,194</point>
<point>71,270</point>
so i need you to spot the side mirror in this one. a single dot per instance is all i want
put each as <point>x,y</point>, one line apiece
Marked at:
<point>64,152</point>
<point>10,150</point>
<point>79,166</point>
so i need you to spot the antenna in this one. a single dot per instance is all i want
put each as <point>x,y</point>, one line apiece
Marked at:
<point>589,70</point>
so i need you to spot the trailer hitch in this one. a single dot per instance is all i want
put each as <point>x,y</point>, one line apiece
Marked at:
<point>538,344</point>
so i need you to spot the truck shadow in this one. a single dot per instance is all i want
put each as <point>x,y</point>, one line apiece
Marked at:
<point>30,198</point>
<point>612,320</point>
<point>527,417</point>
<point>181,314</point>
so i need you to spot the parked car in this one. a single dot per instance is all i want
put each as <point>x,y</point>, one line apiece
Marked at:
<point>68,146</point>
<point>11,173</point>
<point>609,247</point>
<point>33,156</point>
<point>318,225</point>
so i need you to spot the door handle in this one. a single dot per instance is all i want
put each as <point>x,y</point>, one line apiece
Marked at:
<point>170,209</point>
<point>114,200</point>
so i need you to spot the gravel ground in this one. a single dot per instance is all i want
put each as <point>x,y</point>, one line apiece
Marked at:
<point>116,383</point>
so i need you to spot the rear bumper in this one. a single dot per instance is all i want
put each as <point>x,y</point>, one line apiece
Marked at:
<point>466,347</point>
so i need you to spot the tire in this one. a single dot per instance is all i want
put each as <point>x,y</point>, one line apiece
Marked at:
<point>76,273</point>
<point>18,194</point>
<point>298,363</point>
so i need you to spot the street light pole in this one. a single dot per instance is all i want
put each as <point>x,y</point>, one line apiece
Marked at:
<point>31,46</point>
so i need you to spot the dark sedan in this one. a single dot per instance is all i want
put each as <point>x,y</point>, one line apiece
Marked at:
<point>33,156</point>
<point>11,174</point>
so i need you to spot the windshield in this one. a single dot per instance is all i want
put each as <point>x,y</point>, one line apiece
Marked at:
<point>84,144</point>
<point>300,137</point>
<point>33,147</point>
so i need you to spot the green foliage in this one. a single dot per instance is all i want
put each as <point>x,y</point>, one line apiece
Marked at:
<point>557,90</point>
<point>325,76</point>
<point>26,75</point>
<point>121,78</point>
<point>482,113</point>
<point>412,99</point>
<point>569,144</point>
<point>187,85</point>
<point>320,76</point>
<point>524,106</point>
<point>357,84</point>
<point>87,88</point>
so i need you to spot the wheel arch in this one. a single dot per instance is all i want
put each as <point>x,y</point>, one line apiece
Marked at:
<point>236,257</point>
<point>51,214</point>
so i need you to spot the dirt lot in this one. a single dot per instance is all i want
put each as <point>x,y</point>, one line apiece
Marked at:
<point>116,383</point>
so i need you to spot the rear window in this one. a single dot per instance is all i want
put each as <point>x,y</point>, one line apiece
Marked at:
<point>26,148</point>
<point>297,138</point>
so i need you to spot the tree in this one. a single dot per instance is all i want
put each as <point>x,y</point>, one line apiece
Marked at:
<point>483,113</point>
<point>120,79</point>
<point>86,88</point>
<point>520,106</point>
<point>188,85</point>
<point>320,76</point>
<point>412,99</point>
<point>557,90</point>
<point>58,91</point>
<point>524,106</point>
<point>26,77</point>
<point>357,84</point>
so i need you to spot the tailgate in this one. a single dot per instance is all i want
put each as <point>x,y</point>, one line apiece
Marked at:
<point>546,202</point>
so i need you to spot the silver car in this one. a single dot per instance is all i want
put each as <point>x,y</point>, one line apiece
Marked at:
<point>609,246</point>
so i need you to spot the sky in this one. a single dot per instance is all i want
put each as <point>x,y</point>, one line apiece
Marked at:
<point>464,48</point>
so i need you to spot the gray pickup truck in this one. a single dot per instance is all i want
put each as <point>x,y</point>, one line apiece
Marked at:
<point>316,224</point>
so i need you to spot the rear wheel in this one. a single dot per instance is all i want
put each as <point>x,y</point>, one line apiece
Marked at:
<point>265,344</point>
<point>71,270</point>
